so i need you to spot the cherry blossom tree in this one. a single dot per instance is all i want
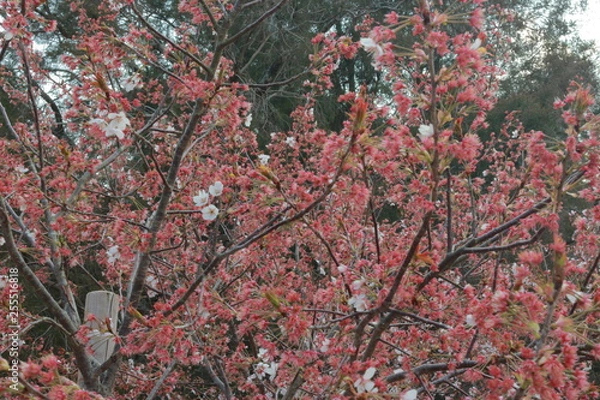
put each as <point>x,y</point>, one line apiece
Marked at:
<point>398,257</point>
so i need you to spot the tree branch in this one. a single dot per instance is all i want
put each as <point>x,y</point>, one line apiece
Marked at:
<point>59,129</point>
<point>162,379</point>
<point>251,26</point>
<point>155,222</point>
<point>265,230</point>
<point>212,18</point>
<point>449,238</point>
<point>84,361</point>
<point>294,386</point>
<point>420,319</point>
<point>587,279</point>
<point>468,247</point>
<point>205,67</point>
<point>429,369</point>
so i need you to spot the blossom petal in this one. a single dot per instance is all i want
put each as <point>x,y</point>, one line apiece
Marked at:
<point>426,131</point>
<point>369,373</point>
<point>201,199</point>
<point>216,189</point>
<point>410,395</point>
<point>210,212</point>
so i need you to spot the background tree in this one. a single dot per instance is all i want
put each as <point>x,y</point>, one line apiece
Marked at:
<point>546,56</point>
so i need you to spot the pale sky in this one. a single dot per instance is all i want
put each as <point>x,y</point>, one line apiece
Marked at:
<point>589,22</point>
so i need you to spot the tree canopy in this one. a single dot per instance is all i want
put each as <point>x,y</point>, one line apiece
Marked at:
<point>298,200</point>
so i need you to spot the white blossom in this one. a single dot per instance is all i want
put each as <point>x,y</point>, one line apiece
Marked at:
<point>117,123</point>
<point>359,302</point>
<point>2,241</point>
<point>290,141</point>
<point>364,384</point>
<point>216,189</point>
<point>263,354</point>
<point>119,120</point>
<point>357,284</point>
<point>272,370</point>
<point>248,121</point>
<point>425,131</point>
<point>131,83</point>
<point>476,44</point>
<point>470,320</point>
<point>371,46</point>
<point>263,159</point>
<point>410,395</point>
<point>325,346</point>
<point>201,199</point>
<point>210,212</point>
<point>262,369</point>
<point>573,297</point>
<point>113,254</point>
<point>400,357</point>
<point>342,268</point>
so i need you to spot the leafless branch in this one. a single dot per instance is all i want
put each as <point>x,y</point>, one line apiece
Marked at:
<point>449,238</point>
<point>429,369</point>
<point>212,18</point>
<point>84,362</point>
<point>154,31</point>
<point>59,129</point>
<point>586,281</point>
<point>251,26</point>
<point>278,83</point>
<point>8,124</point>
<point>508,246</point>
<point>420,319</point>
<point>294,386</point>
<point>30,388</point>
<point>162,379</point>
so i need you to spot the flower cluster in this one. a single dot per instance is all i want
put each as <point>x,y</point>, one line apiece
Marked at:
<point>209,211</point>
<point>425,131</point>
<point>359,300</point>
<point>131,83</point>
<point>265,367</point>
<point>372,47</point>
<point>364,384</point>
<point>113,254</point>
<point>115,126</point>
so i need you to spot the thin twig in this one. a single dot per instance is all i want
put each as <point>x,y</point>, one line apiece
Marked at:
<point>172,43</point>
<point>448,211</point>
<point>587,279</point>
<point>162,379</point>
<point>252,25</point>
<point>212,18</point>
<point>429,369</point>
<point>32,389</point>
<point>420,319</point>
